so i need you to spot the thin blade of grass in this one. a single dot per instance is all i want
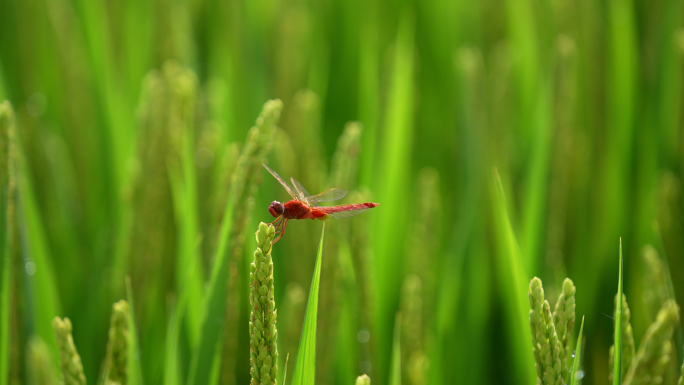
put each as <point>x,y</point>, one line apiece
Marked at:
<point>4,310</point>
<point>134,370</point>
<point>5,164</point>
<point>392,184</point>
<point>395,370</point>
<point>171,365</point>
<point>305,366</point>
<point>44,298</point>
<point>617,360</point>
<point>287,358</point>
<point>512,276</point>
<point>575,376</point>
<point>190,265</point>
<point>189,276</point>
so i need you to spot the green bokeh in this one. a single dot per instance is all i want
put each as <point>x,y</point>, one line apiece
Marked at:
<point>574,105</point>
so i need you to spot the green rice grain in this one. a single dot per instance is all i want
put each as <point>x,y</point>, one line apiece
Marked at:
<point>262,323</point>
<point>72,368</point>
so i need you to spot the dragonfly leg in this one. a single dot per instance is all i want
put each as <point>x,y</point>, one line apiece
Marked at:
<point>279,222</point>
<point>282,232</point>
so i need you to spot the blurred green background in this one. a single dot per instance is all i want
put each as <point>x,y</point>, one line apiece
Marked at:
<point>127,110</point>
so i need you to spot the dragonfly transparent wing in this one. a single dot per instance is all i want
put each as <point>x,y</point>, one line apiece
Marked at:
<point>282,182</point>
<point>344,211</point>
<point>330,195</point>
<point>300,189</point>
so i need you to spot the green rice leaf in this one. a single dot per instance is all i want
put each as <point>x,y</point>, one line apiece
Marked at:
<point>171,365</point>
<point>189,275</point>
<point>575,374</point>
<point>617,356</point>
<point>4,311</point>
<point>391,185</point>
<point>287,358</point>
<point>305,366</point>
<point>512,276</point>
<point>44,298</point>
<point>134,370</point>
<point>395,371</point>
<point>6,117</point>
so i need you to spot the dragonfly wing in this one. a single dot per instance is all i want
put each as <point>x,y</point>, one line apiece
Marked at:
<point>300,189</point>
<point>330,195</point>
<point>347,214</point>
<point>346,211</point>
<point>282,182</point>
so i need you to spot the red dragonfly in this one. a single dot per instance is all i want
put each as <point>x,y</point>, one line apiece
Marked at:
<point>305,206</point>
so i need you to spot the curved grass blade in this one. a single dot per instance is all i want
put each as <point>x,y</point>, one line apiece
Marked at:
<point>6,116</point>
<point>287,358</point>
<point>575,375</point>
<point>43,298</point>
<point>4,312</point>
<point>134,371</point>
<point>305,366</point>
<point>511,273</point>
<point>617,360</point>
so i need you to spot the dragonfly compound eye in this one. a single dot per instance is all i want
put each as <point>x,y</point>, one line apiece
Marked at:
<point>276,209</point>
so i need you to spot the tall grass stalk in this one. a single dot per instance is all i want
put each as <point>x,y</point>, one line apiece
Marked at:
<point>395,160</point>
<point>339,289</point>
<point>172,372</point>
<point>511,275</point>
<point>395,368</point>
<point>183,183</point>
<point>256,149</point>
<point>214,305</point>
<point>617,338</point>
<point>627,338</point>
<point>6,219</point>
<point>43,298</point>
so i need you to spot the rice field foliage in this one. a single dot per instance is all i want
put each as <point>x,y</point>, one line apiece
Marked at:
<point>503,141</point>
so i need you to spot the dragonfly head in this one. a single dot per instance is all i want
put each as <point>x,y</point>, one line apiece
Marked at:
<point>276,209</point>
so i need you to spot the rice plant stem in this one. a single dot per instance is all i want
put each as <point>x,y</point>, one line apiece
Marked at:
<point>617,360</point>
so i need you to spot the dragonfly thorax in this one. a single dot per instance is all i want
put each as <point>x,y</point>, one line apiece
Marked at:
<point>276,209</point>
